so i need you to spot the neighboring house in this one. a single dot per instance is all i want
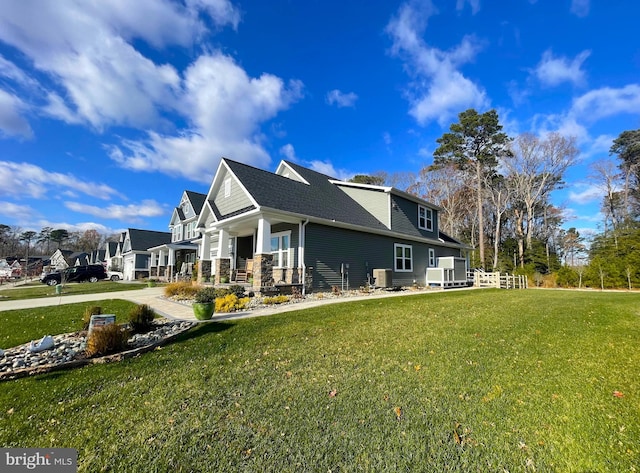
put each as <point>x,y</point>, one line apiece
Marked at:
<point>133,250</point>
<point>78,258</point>
<point>97,257</point>
<point>113,255</point>
<point>60,259</point>
<point>177,257</point>
<point>298,226</point>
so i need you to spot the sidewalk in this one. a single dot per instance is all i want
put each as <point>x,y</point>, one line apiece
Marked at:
<point>152,296</point>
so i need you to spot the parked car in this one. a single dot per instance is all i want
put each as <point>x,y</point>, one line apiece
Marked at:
<point>91,273</point>
<point>115,275</point>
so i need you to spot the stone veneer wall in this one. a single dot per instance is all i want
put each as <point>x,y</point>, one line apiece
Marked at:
<point>223,269</point>
<point>262,270</point>
<point>204,270</point>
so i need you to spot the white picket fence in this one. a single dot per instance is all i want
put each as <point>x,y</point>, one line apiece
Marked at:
<point>499,280</point>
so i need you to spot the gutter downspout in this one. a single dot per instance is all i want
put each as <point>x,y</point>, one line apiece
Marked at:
<point>303,243</point>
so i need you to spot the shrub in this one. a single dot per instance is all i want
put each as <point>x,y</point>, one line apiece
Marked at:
<point>107,339</point>
<point>275,300</point>
<point>181,290</point>
<point>141,318</point>
<point>206,295</point>
<point>236,289</point>
<point>231,303</point>
<point>88,312</point>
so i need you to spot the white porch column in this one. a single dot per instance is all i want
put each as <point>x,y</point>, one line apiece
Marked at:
<point>223,244</point>
<point>160,260</point>
<point>263,240</point>
<point>171,263</point>
<point>205,247</point>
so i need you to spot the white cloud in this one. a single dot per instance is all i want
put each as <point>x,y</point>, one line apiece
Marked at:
<point>607,101</point>
<point>16,211</point>
<point>131,212</point>
<point>580,7</point>
<point>12,122</point>
<point>325,167</point>
<point>78,227</point>
<point>85,48</point>
<point>590,193</point>
<point>475,5</point>
<point>28,180</point>
<point>225,108</point>
<point>593,106</point>
<point>552,71</point>
<point>439,90</point>
<point>336,97</point>
<point>289,152</point>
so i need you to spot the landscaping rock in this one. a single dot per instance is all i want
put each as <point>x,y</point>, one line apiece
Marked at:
<point>70,347</point>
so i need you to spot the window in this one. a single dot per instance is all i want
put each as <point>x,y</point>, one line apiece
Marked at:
<point>227,187</point>
<point>432,258</point>
<point>280,249</point>
<point>403,257</point>
<point>189,231</point>
<point>425,218</point>
<point>177,233</point>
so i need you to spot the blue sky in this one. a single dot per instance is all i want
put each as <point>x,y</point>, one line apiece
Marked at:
<point>109,110</point>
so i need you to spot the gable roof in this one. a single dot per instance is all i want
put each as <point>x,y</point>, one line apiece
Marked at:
<point>141,240</point>
<point>197,200</point>
<point>320,198</point>
<point>112,246</point>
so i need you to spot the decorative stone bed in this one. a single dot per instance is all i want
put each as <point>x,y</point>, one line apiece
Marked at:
<point>68,351</point>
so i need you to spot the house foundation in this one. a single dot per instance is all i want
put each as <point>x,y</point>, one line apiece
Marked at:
<point>204,271</point>
<point>223,269</point>
<point>262,271</point>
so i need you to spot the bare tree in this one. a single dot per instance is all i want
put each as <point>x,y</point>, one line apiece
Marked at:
<point>536,168</point>
<point>499,193</point>
<point>449,188</point>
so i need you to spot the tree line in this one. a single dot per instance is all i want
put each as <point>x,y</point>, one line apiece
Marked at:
<point>495,194</point>
<point>18,243</point>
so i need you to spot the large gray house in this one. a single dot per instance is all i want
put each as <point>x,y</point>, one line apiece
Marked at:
<point>298,226</point>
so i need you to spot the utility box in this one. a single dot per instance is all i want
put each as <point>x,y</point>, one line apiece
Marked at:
<point>383,277</point>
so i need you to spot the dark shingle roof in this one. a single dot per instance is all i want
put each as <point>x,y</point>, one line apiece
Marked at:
<point>197,200</point>
<point>320,199</point>
<point>141,240</point>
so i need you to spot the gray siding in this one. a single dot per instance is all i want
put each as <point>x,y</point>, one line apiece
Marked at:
<point>375,202</point>
<point>236,201</point>
<point>329,247</point>
<point>404,218</point>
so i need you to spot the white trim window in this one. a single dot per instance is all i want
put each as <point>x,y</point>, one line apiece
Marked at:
<point>281,249</point>
<point>432,258</point>
<point>403,256</point>
<point>425,218</point>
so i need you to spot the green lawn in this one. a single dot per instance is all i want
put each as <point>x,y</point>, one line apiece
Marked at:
<point>460,381</point>
<point>42,290</point>
<point>21,326</point>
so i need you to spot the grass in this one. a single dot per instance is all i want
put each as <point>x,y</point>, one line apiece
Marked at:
<point>24,325</point>
<point>42,290</point>
<point>460,381</point>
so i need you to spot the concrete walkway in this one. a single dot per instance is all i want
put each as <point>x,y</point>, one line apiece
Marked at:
<point>152,296</point>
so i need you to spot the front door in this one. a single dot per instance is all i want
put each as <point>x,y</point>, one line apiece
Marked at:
<point>244,250</point>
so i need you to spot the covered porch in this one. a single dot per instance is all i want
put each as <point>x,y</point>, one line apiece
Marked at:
<point>264,251</point>
<point>173,261</point>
